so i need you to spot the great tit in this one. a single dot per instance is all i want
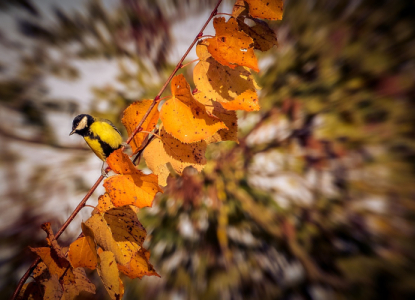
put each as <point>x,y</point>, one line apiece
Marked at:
<point>100,134</point>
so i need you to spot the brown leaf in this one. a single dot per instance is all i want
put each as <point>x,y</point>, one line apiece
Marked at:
<point>55,264</point>
<point>131,118</point>
<point>264,37</point>
<point>232,47</point>
<point>53,289</point>
<point>31,291</point>
<point>81,284</point>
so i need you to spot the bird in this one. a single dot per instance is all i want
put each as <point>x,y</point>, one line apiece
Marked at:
<point>100,134</point>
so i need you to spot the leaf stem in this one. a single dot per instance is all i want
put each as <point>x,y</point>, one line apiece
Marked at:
<point>225,14</point>
<point>189,63</point>
<point>138,129</point>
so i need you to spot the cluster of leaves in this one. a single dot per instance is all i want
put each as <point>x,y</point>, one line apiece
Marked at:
<point>337,130</point>
<point>112,238</point>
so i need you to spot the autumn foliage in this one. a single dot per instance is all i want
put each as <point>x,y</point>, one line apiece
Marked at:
<point>112,238</point>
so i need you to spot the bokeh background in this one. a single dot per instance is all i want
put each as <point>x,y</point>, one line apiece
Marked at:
<point>317,201</point>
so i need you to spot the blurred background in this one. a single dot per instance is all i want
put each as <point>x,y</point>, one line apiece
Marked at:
<point>317,201</point>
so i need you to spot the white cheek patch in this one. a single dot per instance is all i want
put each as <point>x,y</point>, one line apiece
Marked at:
<point>82,124</point>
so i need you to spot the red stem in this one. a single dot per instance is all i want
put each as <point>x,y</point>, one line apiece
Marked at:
<point>138,129</point>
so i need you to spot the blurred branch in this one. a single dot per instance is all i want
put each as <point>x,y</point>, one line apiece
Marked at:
<point>40,142</point>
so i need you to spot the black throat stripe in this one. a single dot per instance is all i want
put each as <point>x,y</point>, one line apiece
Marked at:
<point>105,146</point>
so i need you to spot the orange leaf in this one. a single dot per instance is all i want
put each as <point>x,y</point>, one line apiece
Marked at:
<point>132,187</point>
<point>184,117</point>
<point>266,9</point>
<point>230,46</point>
<point>228,117</point>
<point>169,150</point>
<point>137,189</point>
<point>81,255</point>
<point>139,266</point>
<point>264,37</point>
<point>131,118</point>
<point>247,101</point>
<point>221,83</point>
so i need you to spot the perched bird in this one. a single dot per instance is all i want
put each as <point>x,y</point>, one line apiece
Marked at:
<point>100,134</point>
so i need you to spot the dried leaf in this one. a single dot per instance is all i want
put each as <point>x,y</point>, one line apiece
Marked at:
<point>82,255</point>
<point>55,264</point>
<point>230,46</point>
<point>266,9</point>
<point>131,118</point>
<point>118,231</point>
<point>81,284</point>
<point>223,84</point>
<point>31,291</point>
<point>108,271</point>
<point>184,117</point>
<point>227,116</point>
<point>139,266</point>
<point>53,289</point>
<point>169,150</point>
<point>264,37</point>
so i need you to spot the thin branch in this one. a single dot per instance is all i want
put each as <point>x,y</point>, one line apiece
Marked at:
<point>138,129</point>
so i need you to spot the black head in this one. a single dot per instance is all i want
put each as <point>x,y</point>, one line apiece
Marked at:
<point>81,123</point>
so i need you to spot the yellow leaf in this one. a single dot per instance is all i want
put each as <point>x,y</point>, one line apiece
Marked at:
<point>228,117</point>
<point>131,118</point>
<point>223,84</point>
<point>118,231</point>
<point>82,255</point>
<point>139,266</point>
<point>232,47</point>
<point>184,117</point>
<point>104,204</point>
<point>169,150</point>
<point>266,9</point>
<point>264,37</point>
<point>108,271</point>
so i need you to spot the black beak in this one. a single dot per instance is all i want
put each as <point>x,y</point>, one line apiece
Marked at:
<point>72,132</point>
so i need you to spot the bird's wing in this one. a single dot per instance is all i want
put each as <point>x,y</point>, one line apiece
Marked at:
<point>109,122</point>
